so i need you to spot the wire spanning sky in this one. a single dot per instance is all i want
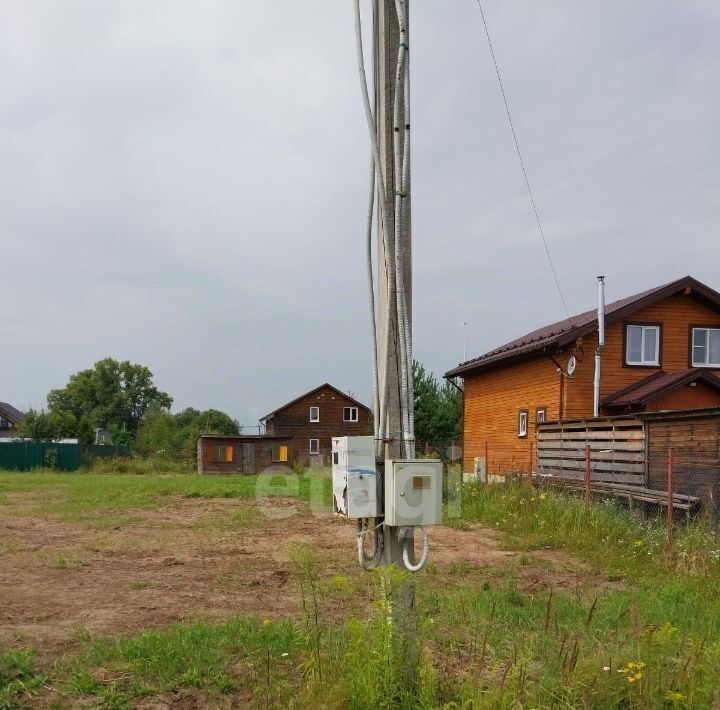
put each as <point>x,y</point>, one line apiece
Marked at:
<point>182,184</point>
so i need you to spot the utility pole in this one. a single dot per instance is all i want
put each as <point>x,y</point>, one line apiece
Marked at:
<point>385,47</point>
<point>386,41</point>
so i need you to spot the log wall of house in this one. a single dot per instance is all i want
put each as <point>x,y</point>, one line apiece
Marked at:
<point>492,404</point>
<point>294,421</point>
<point>262,454</point>
<point>686,397</point>
<point>676,313</point>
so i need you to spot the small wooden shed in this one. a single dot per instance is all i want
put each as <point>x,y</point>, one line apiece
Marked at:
<point>242,454</point>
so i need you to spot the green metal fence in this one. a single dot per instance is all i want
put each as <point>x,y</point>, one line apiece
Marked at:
<point>27,455</point>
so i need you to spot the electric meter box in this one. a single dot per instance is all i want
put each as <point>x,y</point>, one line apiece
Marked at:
<point>413,492</point>
<point>355,489</point>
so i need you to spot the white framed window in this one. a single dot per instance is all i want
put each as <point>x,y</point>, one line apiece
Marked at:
<point>522,423</point>
<point>314,446</point>
<point>314,414</point>
<point>706,347</point>
<point>642,345</point>
<point>350,414</point>
<point>540,414</point>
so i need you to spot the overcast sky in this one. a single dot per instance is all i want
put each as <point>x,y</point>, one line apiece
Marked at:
<point>183,184</point>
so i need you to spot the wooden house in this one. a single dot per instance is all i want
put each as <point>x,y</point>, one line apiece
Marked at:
<point>662,352</point>
<point>312,419</point>
<point>242,454</point>
<point>10,420</point>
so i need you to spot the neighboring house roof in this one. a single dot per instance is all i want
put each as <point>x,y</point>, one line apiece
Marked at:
<point>557,335</point>
<point>10,413</point>
<point>657,385</point>
<point>311,392</point>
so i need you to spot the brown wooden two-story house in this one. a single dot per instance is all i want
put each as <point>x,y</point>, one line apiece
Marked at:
<point>662,352</point>
<point>312,419</point>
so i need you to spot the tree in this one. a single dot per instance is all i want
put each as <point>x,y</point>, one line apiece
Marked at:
<point>176,435</point>
<point>38,426</point>
<point>85,431</point>
<point>438,408</point>
<point>113,395</point>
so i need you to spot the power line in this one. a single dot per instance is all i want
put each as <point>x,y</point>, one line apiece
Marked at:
<point>522,163</point>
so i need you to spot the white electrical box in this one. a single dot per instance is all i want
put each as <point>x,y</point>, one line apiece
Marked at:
<point>413,492</point>
<point>354,476</point>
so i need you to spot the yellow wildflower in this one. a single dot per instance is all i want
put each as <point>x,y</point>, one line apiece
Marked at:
<point>266,622</point>
<point>674,696</point>
<point>542,496</point>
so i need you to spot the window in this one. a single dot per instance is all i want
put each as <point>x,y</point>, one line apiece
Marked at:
<point>706,347</point>
<point>642,345</point>
<point>220,454</point>
<point>540,414</point>
<point>314,446</point>
<point>314,414</point>
<point>522,423</point>
<point>280,453</point>
<point>350,414</point>
<point>4,423</point>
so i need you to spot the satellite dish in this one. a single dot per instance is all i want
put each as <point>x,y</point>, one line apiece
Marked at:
<point>571,365</point>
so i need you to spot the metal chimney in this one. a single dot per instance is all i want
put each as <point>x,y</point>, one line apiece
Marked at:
<point>600,346</point>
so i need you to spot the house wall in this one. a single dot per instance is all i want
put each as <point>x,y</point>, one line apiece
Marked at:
<point>263,454</point>
<point>493,398</point>
<point>492,404</point>
<point>676,313</point>
<point>294,421</point>
<point>686,398</point>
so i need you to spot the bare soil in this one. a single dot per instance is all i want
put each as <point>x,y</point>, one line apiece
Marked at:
<point>209,559</point>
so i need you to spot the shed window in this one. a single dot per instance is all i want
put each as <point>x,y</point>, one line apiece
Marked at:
<point>706,347</point>
<point>220,454</point>
<point>522,423</point>
<point>642,345</point>
<point>314,414</point>
<point>314,446</point>
<point>280,453</point>
<point>350,414</point>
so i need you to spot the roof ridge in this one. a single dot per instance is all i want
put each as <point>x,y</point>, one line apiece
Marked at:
<point>578,324</point>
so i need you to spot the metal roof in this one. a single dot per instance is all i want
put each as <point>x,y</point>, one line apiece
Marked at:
<point>557,335</point>
<point>657,385</point>
<point>9,412</point>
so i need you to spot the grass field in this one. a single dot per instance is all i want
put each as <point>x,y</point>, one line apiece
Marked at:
<point>171,590</point>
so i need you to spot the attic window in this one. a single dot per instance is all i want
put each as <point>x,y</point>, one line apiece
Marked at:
<point>314,414</point>
<point>706,347</point>
<point>350,414</point>
<point>642,345</point>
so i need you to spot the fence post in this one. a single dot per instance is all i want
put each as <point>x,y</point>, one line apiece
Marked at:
<point>587,476</point>
<point>530,452</point>
<point>487,462</point>
<point>670,493</point>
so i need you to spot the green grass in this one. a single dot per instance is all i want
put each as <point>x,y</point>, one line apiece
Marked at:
<point>20,682</point>
<point>640,629</point>
<point>101,500</point>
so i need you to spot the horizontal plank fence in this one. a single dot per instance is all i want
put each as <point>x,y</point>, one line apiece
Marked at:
<point>617,451</point>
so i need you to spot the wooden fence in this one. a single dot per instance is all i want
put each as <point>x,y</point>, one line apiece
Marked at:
<point>617,450</point>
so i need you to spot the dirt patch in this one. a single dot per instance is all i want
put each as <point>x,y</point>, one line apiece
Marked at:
<point>209,559</point>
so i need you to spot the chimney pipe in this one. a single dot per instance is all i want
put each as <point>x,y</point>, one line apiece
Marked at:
<point>600,346</point>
